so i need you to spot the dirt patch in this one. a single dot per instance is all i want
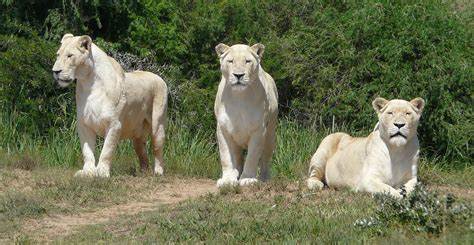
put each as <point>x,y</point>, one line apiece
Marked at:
<point>57,226</point>
<point>15,180</point>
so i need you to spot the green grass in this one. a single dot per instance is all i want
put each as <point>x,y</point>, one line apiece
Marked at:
<point>267,213</point>
<point>194,153</point>
<point>281,210</point>
<point>36,180</point>
<point>28,195</point>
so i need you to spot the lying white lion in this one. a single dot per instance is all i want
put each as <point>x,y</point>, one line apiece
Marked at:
<point>381,162</point>
<point>112,104</point>
<point>246,109</point>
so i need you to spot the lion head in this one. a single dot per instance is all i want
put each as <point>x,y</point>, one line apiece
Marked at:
<point>73,57</point>
<point>240,64</point>
<point>398,119</point>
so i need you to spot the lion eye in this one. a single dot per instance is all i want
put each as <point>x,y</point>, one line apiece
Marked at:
<point>69,55</point>
<point>230,61</point>
<point>390,113</point>
<point>248,61</point>
<point>408,113</point>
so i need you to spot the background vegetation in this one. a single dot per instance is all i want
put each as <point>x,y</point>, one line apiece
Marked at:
<point>330,59</point>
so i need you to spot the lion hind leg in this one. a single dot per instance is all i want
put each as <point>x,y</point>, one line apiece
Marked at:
<point>139,146</point>
<point>317,167</point>
<point>160,103</point>
<point>266,159</point>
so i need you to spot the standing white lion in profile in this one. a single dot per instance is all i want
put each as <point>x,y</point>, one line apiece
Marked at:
<point>381,162</point>
<point>246,109</point>
<point>111,103</point>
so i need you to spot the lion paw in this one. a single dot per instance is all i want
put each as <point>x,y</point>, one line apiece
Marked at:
<point>158,170</point>
<point>247,181</point>
<point>314,184</point>
<point>222,182</point>
<point>103,171</point>
<point>85,173</point>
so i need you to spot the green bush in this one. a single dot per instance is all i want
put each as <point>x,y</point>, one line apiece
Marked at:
<point>330,59</point>
<point>340,60</point>
<point>154,27</point>
<point>29,96</point>
<point>424,210</point>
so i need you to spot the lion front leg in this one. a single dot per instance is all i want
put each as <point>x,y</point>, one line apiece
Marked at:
<point>112,138</point>
<point>410,185</point>
<point>255,148</point>
<point>229,153</point>
<point>87,138</point>
<point>374,186</point>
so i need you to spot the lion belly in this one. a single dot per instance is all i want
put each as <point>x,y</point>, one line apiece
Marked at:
<point>136,121</point>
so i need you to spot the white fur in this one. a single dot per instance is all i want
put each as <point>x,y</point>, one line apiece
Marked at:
<point>246,109</point>
<point>377,163</point>
<point>112,104</point>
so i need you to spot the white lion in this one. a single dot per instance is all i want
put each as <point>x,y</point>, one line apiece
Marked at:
<point>246,109</point>
<point>380,162</point>
<point>111,103</point>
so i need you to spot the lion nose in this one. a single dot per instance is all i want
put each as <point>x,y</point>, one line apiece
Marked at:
<point>57,71</point>
<point>399,125</point>
<point>238,76</point>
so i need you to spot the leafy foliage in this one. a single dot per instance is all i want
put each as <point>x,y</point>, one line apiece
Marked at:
<point>28,93</point>
<point>329,58</point>
<point>424,210</point>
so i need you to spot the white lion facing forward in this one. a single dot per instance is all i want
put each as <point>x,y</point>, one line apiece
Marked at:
<point>381,162</point>
<point>246,109</point>
<point>112,104</point>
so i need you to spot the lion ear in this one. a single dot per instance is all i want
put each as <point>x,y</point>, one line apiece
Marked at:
<point>221,49</point>
<point>85,43</point>
<point>66,36</point>
<point>379,103</point>
<point>259,49</point>
<point>418,103</point>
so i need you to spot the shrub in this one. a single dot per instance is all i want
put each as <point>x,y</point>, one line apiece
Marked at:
<point>424,210</point>
<point>329,58</point>
<point>29,96</point>
<point>340,59</point>
<point>155,27</point>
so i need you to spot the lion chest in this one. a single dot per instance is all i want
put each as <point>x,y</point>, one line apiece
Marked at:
<point>392,167</point>
<point>401,166</point>
<point>95,111</point>
<point>241,122</point>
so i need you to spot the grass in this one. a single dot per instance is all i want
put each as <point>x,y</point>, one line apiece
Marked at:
<point>36,182</point>
<point>279,211</point>
<point>187,152</point>
<point>268,213</point>
<point>26,195</point>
